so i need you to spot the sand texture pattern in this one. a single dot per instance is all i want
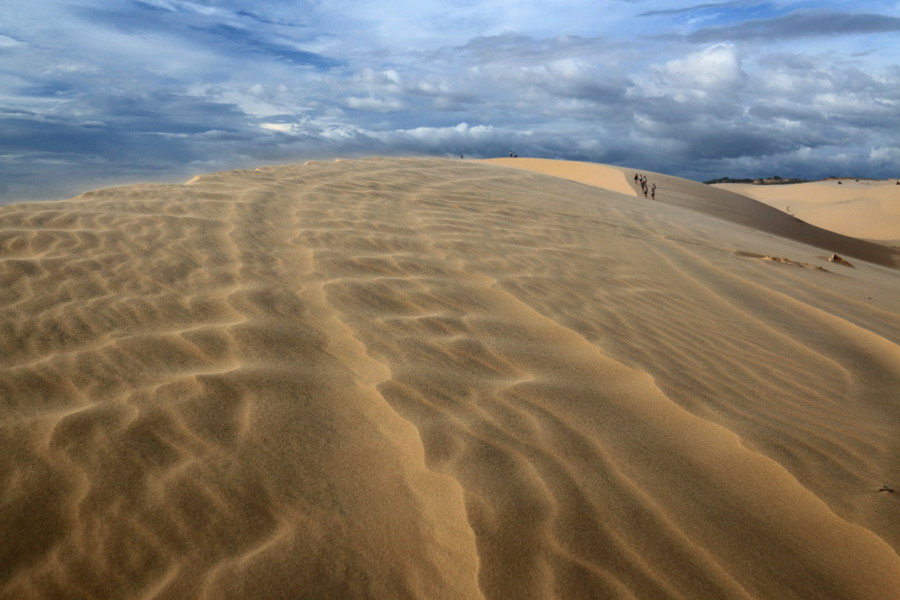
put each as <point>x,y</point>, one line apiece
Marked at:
<point>442,379</point>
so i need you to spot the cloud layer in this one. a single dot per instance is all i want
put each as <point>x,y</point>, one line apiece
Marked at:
<point>101,92</point>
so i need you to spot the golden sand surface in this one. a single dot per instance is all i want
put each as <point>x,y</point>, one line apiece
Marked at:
<point>603,176</point>
<point>443,379</point>
<point>868,209</point>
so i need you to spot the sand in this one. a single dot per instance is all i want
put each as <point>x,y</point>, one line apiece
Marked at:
<point>594,174</point>
<point>868,209</point>
<point>443,379</point>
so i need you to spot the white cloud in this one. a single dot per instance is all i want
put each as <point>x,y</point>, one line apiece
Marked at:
<point>373,103</point>
<point>163,4</point>
<point>885,155</point>
<point>456,132</point>
<point>714,69</point>
<point>8,42</point>
<point>279,127</point>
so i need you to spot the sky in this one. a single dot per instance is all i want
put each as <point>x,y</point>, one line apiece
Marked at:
<point>103,92</point>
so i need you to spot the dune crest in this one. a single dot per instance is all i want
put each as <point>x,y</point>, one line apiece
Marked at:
<point>595,174</point>
<point>740,204</point>
<point>865,209</point>
<point>440,379</point>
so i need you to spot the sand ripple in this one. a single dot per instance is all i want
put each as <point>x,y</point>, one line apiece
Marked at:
<point>436,379</point>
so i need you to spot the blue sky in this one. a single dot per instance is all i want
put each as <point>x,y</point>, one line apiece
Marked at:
<point>99,92</point>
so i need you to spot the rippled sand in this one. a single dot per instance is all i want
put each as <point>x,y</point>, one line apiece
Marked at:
<point>443,379</point>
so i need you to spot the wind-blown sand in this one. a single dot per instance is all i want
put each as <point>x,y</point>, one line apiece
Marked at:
<point>864,209</point>
<point>443,379</point>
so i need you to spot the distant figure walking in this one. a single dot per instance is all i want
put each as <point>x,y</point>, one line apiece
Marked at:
<point>653,191</point>
<point>510,153</point>
<point>635,177</point>
<point>516,155</point>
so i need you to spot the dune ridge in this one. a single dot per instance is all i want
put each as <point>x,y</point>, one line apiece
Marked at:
<point>864,209</point>
<point>841,228</point>
<point>595,174</point>
<point>439,379</point>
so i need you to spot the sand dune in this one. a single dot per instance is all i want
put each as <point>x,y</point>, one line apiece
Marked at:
<point>864,209</point>
<point>846,217</point>
<point>603,176</point>
<point>443,379</point>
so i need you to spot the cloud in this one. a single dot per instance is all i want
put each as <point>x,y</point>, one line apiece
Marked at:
<point>715,69</point>
<point>691,9</point>
<point>153,89</point>
<point>799,24</point>
<point>282,127</point>
<point>8,42</point>
<point>441,136</point>
<point>203,26</point>
<point>241,40</point>
<point>885,155</point>
<point>373,103</point>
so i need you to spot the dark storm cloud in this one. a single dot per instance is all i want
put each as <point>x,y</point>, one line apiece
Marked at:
<point>143,135</point>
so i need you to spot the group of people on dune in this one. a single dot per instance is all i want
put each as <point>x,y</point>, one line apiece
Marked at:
<point>642,179</point>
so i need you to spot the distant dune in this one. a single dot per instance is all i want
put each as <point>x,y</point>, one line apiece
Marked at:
<point>444,379</point>
<point>865,209</point>
<point>845,217</point>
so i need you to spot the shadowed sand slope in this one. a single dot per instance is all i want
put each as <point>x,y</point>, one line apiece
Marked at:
<point>727,203</point>
<point>864,209</point>
<point>438,379</point>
